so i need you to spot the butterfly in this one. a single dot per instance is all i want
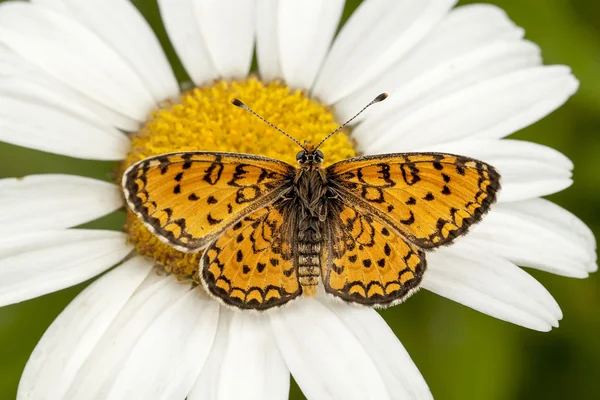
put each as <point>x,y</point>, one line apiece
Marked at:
<point>271,232</point>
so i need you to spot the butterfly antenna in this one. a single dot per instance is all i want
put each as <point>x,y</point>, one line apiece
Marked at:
<point>377,99</point>
<point>239,104</point>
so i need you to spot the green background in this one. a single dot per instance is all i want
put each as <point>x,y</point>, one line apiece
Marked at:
<point>462,354</point>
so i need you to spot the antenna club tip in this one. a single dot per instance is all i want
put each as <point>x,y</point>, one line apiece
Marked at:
<point>381,97</point>
<point>238,103</point>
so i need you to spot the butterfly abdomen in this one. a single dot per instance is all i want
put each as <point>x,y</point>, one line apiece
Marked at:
<point>309,267</point>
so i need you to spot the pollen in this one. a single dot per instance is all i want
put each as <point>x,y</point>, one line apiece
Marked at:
<point>204,119</point>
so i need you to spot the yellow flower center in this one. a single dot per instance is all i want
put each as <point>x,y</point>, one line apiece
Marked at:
<point>203,119</point>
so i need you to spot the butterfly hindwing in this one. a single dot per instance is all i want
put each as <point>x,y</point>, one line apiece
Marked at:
<point>367,261</point>
<point>430,198</point>
<point>251,265</point>
<point>187,199</point>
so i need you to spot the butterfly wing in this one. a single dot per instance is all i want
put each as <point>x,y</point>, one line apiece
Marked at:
<point>367,261</point>
<point>187,199</point>
<point>430,198</point>
<point>251,266</point>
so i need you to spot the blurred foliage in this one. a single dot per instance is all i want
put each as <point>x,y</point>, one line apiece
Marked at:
<point>463,354</point>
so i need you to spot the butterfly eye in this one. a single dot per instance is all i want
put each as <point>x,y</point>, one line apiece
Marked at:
<point>301,154</point>
<point>320,155</point>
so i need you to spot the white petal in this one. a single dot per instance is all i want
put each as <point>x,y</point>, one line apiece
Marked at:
<point>537,233</point>
<point>377,35</point>
<point>39,202</point>
<point>253,361</point>
<point>492,109</point>
<point>74,333</point>
<point>40,91</point>
<point>250,358</point>
<point>24,74</point>
<point>437,81</point>
<point>557,218</point>
<point>325,357</point>
<point>153,299</point>
<point>35,117</point>
<point>267,39</point>
<point>305,30</point>
<point>244,351</point>
<point>470,43</point>
<point>528,169</point>
<point>75,56</point>
<point>124,29</point>
<point>293,38</point>
<point>184,332</point>
<point>401,376</point>
<point>182,28</point>
<point>34,264</point>
<point>227,27</point>
<point>492,285</point>
<point>207,385</point>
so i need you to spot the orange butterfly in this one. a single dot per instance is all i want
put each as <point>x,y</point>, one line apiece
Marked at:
<point>271,232</point>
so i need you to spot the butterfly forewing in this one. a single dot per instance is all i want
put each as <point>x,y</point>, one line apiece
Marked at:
<point>187,199</point>
<point>367,261</point>
<point>430,198</point>
<point>251,265</point>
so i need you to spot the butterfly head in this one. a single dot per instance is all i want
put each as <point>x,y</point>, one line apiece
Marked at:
<point>307,157</point>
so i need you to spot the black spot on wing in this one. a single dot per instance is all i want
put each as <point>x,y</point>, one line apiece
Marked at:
<point>213,221</point>
<point>387,250</point>
<point>410,220</point>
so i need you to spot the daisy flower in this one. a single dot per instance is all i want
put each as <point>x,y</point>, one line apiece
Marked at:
<point>88,79</point>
